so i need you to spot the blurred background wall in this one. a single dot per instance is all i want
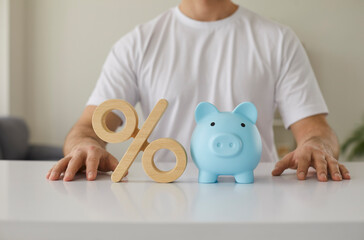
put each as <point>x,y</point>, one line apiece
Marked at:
<point>52,51</point>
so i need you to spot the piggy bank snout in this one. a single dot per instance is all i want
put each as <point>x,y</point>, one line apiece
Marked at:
<point>226,145</point>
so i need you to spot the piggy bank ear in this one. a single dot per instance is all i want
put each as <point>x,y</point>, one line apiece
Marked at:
<point>203,109</point>
<point>248,110</point>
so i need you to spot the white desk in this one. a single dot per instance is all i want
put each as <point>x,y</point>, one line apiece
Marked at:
<point>32,207</point>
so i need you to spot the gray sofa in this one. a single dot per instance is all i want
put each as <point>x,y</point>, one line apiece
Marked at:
<point>14,143</point>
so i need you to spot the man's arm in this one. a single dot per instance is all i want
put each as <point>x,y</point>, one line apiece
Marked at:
<point>317,146</point>
<point>83,149</point>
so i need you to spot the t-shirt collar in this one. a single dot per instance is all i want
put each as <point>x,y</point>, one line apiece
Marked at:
<point>203,24</point>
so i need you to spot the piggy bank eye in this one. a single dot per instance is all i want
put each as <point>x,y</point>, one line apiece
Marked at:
<point>212,124</point>
<point>242,124</point>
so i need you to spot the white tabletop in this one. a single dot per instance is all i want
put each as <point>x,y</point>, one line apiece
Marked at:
<point>32,207</point>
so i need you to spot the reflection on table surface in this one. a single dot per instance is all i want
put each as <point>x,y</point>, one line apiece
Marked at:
<point>26,195</point>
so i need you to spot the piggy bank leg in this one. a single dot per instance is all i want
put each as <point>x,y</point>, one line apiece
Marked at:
<point>207,177</point>
<point>245,177</point>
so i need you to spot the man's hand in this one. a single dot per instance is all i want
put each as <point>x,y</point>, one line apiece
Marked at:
<point>312,154</point>
<point>317,147</point>
<point>84,150</point>
<point>87,156</point>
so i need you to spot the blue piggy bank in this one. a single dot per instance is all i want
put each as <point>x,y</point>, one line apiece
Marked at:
<point>226,143</point>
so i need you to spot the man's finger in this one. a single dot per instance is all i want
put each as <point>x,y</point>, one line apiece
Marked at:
<point>303,163</point>
<point>73,166</point>
<point>283,164</point>
<point>320,164</point>
<point>334,170</point>
<point>59,168</point>
<point>112,163</point>
<point>92,163</point>
<point>344,172</point>
<point>49,172</point>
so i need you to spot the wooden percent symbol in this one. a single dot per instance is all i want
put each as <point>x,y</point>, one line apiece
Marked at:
<point>140,142</point>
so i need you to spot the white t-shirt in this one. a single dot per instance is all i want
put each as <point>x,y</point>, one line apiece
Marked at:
<point>244,57</point>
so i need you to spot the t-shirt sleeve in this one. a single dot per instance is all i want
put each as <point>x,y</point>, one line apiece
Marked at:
<point>298,94</point>
<point>118,76</point>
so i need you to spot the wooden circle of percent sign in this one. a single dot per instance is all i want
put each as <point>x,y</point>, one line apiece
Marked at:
<point>140,142</point>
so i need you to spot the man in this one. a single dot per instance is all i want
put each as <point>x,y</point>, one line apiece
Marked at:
<point>216,51</point>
